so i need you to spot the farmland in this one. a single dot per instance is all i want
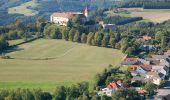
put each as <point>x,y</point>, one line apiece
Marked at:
<point>153,15</point>
<point>48,63</point>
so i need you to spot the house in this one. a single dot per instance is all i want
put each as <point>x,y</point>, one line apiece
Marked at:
<point>108,26</point>
<point>147,48</point>
<point>161,69</point>
<point>155,77</point>
<point>143,39</point>
<point>130,61</point>
<point>111,88</point>
<point>141,69</point>
<point>62,18</point>
<point>146,38</point>
<point>138,78</point>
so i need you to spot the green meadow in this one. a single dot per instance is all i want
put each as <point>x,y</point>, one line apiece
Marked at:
<point>46,64</point>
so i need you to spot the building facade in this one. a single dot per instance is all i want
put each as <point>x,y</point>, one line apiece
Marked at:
<point>62,18</point>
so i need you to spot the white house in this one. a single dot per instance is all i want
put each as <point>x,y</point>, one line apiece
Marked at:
<point>111,88</point>
<point>62,18</point>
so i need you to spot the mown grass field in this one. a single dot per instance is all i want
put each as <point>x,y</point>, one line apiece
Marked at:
<point>48,63</point>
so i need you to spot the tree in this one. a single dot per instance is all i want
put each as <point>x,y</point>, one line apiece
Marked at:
<point>60,93</point>
<point>65,33</point>
<point>77,36</point>
<point>125,94</point>
<point>83,38</point>
<point>150,88</point>
<point>40,24</point>
<point>57,33</point>
<point>96,36</point>
<point>130,51</point>
<point>112,42</point>
<point>90,37</point>
<point>164,42</point>
<point>19,25</point>
<point>3,44</point>
<point>127,77</point>
<point>40,95</point>
<point>98,39</point>
<point>117,37</point>
<point>105,40</point>
<point>83,87</point>
<point>73,92</point>
<point>158,36</point>
<point>124,45</point>
<point>71,34</point>
<point>27,95</point>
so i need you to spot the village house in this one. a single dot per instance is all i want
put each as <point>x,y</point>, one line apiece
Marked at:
<point>141,69</point>
<point>115,85</point>
<point>155,77</point>
<point>130,61</point>
<point>62,18</point>
<point>147,48</point>
<point>108,26</point>
<point>153,69</point>
<point>143,39</point>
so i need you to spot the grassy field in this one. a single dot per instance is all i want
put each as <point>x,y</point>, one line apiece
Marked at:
<point>14,42</point>
<point>49,63</point>
<point>24,9</point>
<point>154,15</point>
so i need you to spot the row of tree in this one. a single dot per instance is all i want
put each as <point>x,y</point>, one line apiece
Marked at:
<point>146,4</point>
<point>119,20</point>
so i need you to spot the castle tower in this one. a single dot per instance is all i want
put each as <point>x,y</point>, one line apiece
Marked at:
<point>86,13</point>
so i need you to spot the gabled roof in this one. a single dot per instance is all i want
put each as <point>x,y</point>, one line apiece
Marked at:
<point>146,67</point>
<point>113,85</point>
<point>130,61</point>
<point>155,74</point>
<point>138,78</point>
<point>66,14</point>
<point>143,66</point>
<point>146,37</point>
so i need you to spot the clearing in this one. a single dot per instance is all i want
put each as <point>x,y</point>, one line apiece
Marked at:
<point>26,8</point>
<point>47,63</point>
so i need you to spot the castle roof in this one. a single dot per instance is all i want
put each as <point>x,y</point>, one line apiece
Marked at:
<point>66,14</point>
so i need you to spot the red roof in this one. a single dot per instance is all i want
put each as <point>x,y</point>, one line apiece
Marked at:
<point>146,67</point>
<point>113,85</point>
<point>141,91</point>
<point>147,37</point>
<point>66,14</point>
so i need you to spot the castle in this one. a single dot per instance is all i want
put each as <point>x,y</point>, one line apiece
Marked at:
<point>62,18</point>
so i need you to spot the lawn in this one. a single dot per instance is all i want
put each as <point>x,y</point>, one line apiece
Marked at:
<point>15,42</point>
<point>48,63</point>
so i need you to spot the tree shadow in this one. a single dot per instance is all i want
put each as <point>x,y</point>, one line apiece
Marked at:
<point>13,48</point>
